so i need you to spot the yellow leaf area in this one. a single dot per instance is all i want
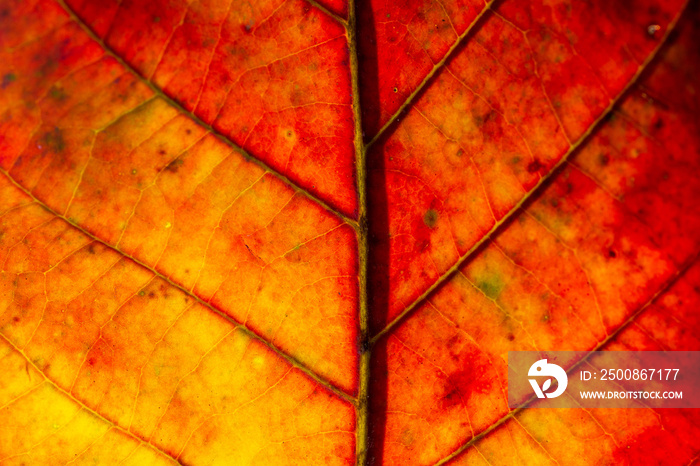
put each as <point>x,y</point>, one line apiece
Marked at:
<point>92,341</point>
<point>97,350</point>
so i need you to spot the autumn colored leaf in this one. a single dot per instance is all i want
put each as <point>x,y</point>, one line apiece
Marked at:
<point>310,231</point>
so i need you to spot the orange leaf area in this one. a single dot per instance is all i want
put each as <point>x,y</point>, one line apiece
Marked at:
<point>310,231</point>
<point>114,351</point>
<point>144,178</point>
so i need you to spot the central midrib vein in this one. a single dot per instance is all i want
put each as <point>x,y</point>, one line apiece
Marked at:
<point>361,405</point>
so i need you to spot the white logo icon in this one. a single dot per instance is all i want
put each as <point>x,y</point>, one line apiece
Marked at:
<point>541,368</point>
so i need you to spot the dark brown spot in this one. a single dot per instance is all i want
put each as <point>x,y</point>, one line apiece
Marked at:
<point>8,79</point>
<point>430,218</point>
<point>174,166</point>
<point>534,166</point>
<point>54,140</point>
<point>57,93</point>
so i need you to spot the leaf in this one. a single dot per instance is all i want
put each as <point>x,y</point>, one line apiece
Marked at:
<point>301,232</point>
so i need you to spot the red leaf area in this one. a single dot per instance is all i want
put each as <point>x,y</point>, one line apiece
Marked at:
<point>309,232</point>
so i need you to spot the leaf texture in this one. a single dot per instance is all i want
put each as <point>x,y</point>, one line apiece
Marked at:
<point>309,232</point>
